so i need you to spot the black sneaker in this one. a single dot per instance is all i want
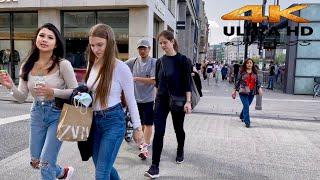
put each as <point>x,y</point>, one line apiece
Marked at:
<point>247,125</point>
<point>241,117</point>
<point>180,157</point>
<point>153,172</point>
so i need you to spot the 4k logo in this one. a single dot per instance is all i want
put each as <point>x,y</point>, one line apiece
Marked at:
<point>274,14</point>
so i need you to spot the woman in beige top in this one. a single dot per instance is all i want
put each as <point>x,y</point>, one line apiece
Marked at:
<point>46,76</point>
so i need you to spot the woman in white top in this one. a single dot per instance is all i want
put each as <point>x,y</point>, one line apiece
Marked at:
<point>107,77</point>
<point>46,76</point>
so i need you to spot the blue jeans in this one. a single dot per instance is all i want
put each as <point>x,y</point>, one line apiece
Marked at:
<point>246,102</point>
<point>44,145</point>
<point>270,84</point>
<point>108,133</point>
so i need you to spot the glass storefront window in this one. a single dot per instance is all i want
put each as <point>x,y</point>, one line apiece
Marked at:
<point>4,40</point>
<point>24,25</point>
<point>304,51</point>
<point>308,67</point>
<point>4,26</point>
<point>76,26</point>
<point>303,85</point>
<point>119,21</point>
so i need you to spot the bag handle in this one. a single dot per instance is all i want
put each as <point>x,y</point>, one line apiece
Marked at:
<point>78,105</point>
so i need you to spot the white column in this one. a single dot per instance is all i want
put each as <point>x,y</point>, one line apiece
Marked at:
<point>140,26</point>
<point>49,15</point>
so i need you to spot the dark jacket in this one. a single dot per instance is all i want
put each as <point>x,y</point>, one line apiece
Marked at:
<point>197,81</point>
<point>85,147</point>
<point>241,82</point>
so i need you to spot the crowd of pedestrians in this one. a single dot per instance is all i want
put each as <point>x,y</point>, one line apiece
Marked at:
<point>151,88</point>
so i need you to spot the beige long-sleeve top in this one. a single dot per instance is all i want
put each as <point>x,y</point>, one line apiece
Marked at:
<point>63,81</point>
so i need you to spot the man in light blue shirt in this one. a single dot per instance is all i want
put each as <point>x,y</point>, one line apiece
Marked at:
<point>143,70</point>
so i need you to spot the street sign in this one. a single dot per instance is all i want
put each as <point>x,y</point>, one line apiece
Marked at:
<point>181,25</point>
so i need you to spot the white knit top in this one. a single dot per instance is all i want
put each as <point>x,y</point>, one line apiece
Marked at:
<point>122,80</point>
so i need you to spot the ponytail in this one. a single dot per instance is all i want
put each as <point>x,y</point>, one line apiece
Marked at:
<point>175,45</point>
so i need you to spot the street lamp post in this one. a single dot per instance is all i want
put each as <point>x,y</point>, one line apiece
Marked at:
<point>258,97</point>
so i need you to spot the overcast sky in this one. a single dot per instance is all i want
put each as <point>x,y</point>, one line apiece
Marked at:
<point>217,8</point>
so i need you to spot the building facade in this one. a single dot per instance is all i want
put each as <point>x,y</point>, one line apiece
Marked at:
<point>204,32</point>
<point>130,20</point>
<point>235,50</point>
<point>220,50</point>
<point>303,62</point>
<point>211,53</point>
<point>188,13</point>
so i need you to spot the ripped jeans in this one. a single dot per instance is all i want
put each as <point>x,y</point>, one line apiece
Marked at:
<point>44,145</point>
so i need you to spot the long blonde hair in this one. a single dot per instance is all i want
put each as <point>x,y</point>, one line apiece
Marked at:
<point>108,62</point>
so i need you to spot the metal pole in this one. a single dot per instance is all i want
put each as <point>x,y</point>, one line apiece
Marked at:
<point>238,46</point>
<point>258,97</point>
<point>245,51</point>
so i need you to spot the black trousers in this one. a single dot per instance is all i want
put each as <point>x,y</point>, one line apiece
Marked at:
<point>161,111</point>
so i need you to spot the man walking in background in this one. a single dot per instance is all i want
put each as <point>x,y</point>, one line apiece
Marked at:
<point>143,70</point>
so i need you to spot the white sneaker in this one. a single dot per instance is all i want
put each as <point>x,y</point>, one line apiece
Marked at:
<point>144,146</point>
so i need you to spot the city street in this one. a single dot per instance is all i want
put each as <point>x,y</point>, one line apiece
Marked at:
<point>218,146</point>
<point>44,44</point>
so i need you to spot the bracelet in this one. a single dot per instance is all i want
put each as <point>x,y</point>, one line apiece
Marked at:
<point>188,102</point>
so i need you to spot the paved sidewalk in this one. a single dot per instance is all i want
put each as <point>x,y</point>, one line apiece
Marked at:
<point>217,147</point>
<point>275,105</point>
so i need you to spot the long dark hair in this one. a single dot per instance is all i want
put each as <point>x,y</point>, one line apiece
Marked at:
<point>244,66</point>
<point>58,52</point>
<point>169,35</point>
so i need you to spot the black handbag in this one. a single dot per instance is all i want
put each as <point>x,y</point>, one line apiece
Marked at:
<point>176,103</point>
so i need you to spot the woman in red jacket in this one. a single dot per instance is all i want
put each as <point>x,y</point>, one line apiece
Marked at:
<point>248,85</point>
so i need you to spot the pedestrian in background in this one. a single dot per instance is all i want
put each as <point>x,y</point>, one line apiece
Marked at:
<point>173,79</point>
<point>236,68</point>
<point>107,77</point>
<point>271,76</point>
<point>209,70</point>
<point>143,69</point>
<point>224,72</point>
<point>217,71</point>
<point>203,70</point>
<point>230,73</point>
<point>45,62</point>
<point>248,85</point>
<point>197,80</point>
